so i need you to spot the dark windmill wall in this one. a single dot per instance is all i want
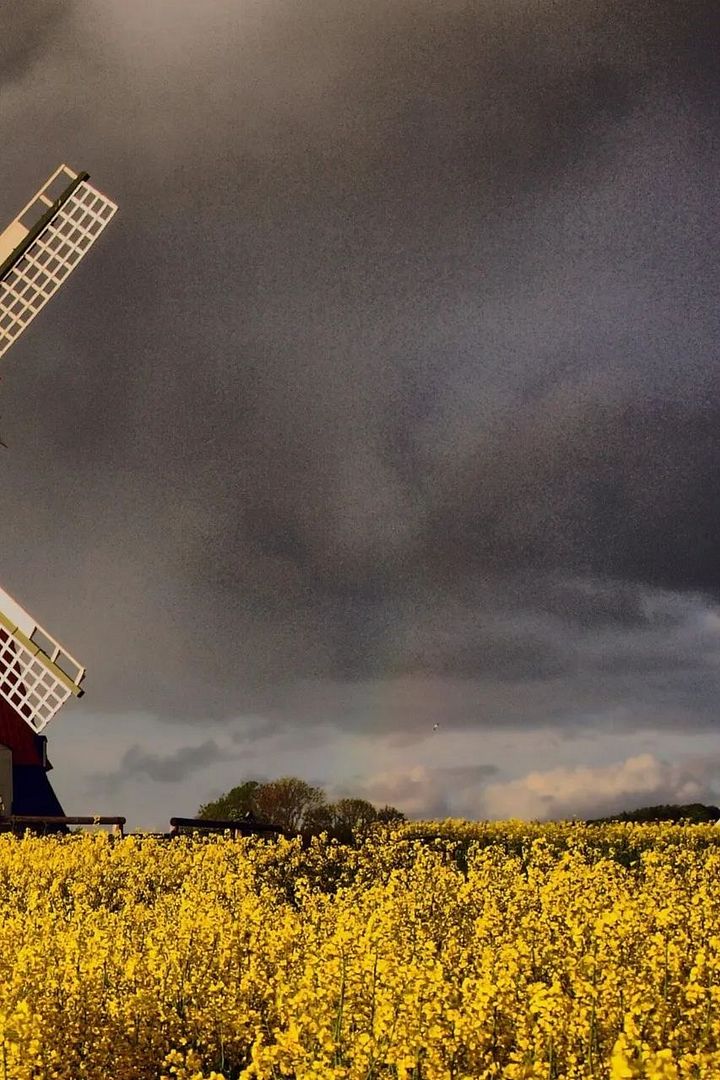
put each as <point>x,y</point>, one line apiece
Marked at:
<point>32,791</point>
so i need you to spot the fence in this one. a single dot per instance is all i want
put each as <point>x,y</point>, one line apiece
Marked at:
<point>18,823</point>
<point>37,823</point>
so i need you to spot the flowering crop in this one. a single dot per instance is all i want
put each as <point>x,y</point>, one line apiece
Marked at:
<point>492,950</point>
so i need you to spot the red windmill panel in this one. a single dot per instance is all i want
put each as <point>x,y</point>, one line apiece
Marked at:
<point>31,791</point>
<point>26,746</point>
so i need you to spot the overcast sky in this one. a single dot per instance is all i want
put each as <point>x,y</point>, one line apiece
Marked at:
<point>390,398</point>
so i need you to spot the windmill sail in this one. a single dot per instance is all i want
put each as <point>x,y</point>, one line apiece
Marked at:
<point>44,244</point>
<point>38,250</point>
<point>37,675</point>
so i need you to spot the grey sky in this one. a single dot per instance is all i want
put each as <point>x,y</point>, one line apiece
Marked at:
<point>389,397</point>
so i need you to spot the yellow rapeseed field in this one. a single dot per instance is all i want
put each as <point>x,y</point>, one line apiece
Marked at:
<point>489,950</point>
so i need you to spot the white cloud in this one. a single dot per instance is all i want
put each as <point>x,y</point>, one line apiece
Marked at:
<point>421,791</point>
<point>416,791</point>
<point>592,791</point>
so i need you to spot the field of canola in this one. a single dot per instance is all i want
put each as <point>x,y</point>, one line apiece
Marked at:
<point>495,950</point>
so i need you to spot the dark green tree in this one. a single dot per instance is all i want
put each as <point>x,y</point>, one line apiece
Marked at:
<point>234,805</point>
<point>321,819</point>
<point>287,803</point>
<point>352,817</point>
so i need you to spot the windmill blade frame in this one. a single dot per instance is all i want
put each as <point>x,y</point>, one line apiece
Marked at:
<point>37,674</point>
<point>38,250</point>
<point>44,243</point>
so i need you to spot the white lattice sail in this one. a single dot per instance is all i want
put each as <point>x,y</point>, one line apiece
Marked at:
<point>44,244</point>
<point>37,675</point>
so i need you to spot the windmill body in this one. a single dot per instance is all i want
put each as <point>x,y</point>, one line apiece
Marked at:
<point>24,784</point>
<point>38,250</point>
<point>37,677</point>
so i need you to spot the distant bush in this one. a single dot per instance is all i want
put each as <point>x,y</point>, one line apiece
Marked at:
<point>694,813</point>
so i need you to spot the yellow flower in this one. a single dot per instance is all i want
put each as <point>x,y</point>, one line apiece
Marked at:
<point>498,950</point>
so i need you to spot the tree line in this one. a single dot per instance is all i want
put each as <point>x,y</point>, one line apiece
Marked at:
<point>294,806</point>
<point>694,813</point>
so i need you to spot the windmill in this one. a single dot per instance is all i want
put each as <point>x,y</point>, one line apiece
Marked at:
<point>38,250</point>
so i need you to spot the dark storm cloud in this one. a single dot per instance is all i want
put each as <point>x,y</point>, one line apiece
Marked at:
<point>27,32</point>
<point>405,328</point>
<point>658,673</point>
<point>627,489</point>
<point>168,768</point>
